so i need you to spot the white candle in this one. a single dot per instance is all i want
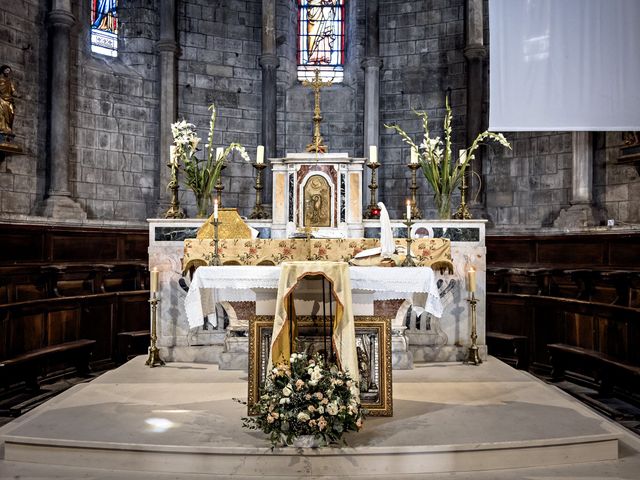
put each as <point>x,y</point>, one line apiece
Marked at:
<point>260,154</point>
<point>219,151</point>
<point>463,156</point>
<point>414,155</point>
<point>172,155</point>
<point>408,210</point>
<point>471,280</point>
<point>215,209</point>
<point>373,154</point>
<point>154,280</point>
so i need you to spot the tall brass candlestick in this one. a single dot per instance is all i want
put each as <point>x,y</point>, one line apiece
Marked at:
<point>408,260</point>
<point>462,213</point>
<point>154,359</point>
<point>218,186</point>
<point>415,211</point>
<point>473,357</point>
<point>373,211</point>
<point>215,260</point>
<point>174,209</point>
<point>258,210</point>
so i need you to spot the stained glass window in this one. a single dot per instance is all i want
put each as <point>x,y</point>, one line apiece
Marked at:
<point>321,39</point>
<point>104,27</point>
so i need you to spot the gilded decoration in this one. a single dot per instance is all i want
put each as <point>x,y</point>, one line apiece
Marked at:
<point>317,202</point>
<point>428,252</point>
<point>373,344</point>
<point>230,225</point>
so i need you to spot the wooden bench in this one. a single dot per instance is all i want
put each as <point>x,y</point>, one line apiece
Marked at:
<point>131,344</point>
<point>28,365</point>
<point>512,349</point>
<point>607,371</point>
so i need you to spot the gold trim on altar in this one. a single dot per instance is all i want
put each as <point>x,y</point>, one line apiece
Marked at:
<point>230,225</point>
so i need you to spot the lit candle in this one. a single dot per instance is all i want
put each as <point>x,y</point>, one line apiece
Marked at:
<point>260,154</point>
<point>414,155</point>
<point>408,210</point>
<point>219,151</point>
<point>154,280</point>
<point>463,156</point>
<point>471,280</point>
<point>172,155</point>
<point>215,209</point>
<point>373,154</point>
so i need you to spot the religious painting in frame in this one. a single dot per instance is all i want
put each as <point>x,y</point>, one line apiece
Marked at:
<point>373,342</point>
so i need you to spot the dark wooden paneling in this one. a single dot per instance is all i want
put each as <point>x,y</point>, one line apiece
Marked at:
<point>571,253</point>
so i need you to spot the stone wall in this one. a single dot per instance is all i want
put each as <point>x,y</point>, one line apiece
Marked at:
<point>23,47</point>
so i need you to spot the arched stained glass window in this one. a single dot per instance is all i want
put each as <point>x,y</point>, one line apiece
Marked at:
<point>104,27</point>
<point>321,39</point>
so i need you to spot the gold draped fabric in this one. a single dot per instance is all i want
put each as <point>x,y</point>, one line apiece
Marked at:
<point>344,336</point>
<point>427,252</point>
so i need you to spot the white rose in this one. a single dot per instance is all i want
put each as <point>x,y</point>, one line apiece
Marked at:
<point>303,417</point>
<point>320,409</point>
<point>286,391</point>
<point>332,409</point>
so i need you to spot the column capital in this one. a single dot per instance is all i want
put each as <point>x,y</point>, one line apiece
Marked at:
<point>269,60</point>
<point>60,19</point>
<point>475,51</point>
<point>170,46</point>
<point>371,62</point>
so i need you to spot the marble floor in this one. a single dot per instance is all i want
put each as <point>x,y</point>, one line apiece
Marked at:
<point>180,421</point>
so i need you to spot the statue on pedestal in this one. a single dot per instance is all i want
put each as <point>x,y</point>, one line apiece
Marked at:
<point>7,111</point>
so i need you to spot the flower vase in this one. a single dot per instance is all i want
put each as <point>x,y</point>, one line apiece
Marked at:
<point>203,204</point>
<point>306,441</point>
<point>443,205</point>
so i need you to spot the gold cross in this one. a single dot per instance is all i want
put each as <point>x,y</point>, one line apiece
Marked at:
<point>316,84</point>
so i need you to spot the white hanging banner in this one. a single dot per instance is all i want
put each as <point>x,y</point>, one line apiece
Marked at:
<point>564,65</point>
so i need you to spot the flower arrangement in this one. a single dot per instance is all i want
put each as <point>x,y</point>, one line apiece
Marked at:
<point>435,158</point>
<point>307,398</point>
<point>200,175</point>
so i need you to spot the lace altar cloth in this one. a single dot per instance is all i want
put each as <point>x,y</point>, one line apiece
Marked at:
<point>211,285</point>
<point>427,252</point>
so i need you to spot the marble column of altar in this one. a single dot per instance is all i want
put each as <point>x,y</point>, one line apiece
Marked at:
<point>58,202</point>
<point>269,63</point>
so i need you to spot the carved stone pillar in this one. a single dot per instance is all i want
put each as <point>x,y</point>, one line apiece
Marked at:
<point>269,63</point>
<point>371,65</point>
<point>58,202</point>
<point>475,53</point>
<point>168,51</point>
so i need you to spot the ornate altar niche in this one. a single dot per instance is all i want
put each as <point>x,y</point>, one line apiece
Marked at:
<point>320,191</point>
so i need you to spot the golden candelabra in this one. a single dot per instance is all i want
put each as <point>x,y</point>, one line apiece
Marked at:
<point>174,209</point>
<point>317,143</point>
<point>218,186</point>
<point>215,260</point>
<point>462,213</point>
<point>373,211</point>
<point>473,357</point>
<point>408,260</point>
<point>258,210</point>
<point>154,359</point>
<point>415,211</point>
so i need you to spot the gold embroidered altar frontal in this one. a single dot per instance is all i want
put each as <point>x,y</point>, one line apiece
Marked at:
<point>427,252</point>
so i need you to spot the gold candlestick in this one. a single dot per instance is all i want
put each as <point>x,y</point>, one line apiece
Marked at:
<point>154,359</point>
<point>408,260</point>
<point>258,210</point>
<point>415,211</point>
<point>174,209</point>
<point>373,211</point>
<point>462,213</point>
<point>218,186</point>
<point>473,357</point>
<point>215,260</point>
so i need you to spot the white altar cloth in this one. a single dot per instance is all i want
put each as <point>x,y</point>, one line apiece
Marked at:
<point>237,283</point>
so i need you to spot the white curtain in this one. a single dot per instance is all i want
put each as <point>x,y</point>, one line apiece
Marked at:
<point>564,65</point>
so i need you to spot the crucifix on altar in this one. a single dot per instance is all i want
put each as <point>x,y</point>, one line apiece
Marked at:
<point>317,144</point>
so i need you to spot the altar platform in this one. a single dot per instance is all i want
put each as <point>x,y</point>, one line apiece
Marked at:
<point>135,422</point>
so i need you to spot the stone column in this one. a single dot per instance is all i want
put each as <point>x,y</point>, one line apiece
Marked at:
<point>269,62</point>
<point>581,213</point>
<point>168,52</point>
<point>474,52</point>
<point>58,202</point>
<point>371,64</point>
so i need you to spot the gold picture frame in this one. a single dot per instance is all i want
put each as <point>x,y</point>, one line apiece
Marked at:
<point>373,335</point>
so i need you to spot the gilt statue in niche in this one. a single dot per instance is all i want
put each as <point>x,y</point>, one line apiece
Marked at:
<point>317,202</point>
